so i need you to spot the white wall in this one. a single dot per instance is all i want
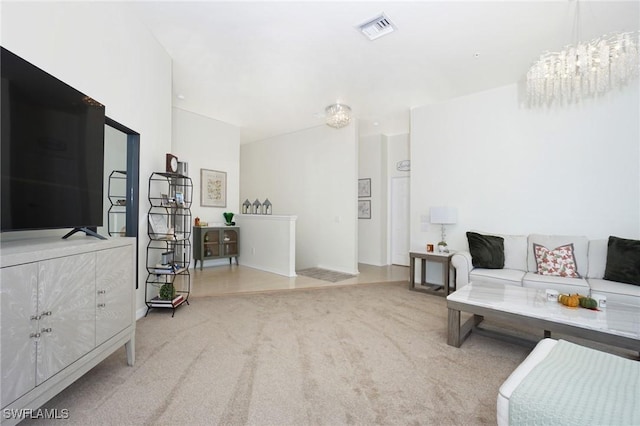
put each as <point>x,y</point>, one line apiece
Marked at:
<point>311,174</point>
<point>397,150</point>
<point>571,170</point>
<point>372,232</point>
<point>206,143</point>
<point>268,243</point>
<point>378,156</point>
<point>103,51</point>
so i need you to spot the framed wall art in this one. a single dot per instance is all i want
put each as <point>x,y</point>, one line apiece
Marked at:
<point>213,188</point>
<point>364,209</point>
<point>364,187</point>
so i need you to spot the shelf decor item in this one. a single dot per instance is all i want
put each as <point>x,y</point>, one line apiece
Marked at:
<point>228,218</point>
<point>179,199</point>
<point>266,206</point>
<point>167,291</point>
<point>246,207</point>
<point>158,223</point>
<point>213,188</point>
<point>171,163</point>
<point>257,207</point>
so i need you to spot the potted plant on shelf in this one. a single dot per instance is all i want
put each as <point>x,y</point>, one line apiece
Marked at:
<point>167,291</point>
<point>228,217</point>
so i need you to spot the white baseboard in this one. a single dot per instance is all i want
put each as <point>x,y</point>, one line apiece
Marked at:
<point>140,313</point>
<point>284,273</point>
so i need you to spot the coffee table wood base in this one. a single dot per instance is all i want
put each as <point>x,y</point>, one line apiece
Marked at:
<point>457,333</point>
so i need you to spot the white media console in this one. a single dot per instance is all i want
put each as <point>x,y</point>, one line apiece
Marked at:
<point>65,306</point>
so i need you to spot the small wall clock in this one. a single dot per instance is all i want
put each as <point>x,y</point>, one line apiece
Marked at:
<point>172,163</point>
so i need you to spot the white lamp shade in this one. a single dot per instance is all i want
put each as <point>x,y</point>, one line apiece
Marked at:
<point>444,215</point>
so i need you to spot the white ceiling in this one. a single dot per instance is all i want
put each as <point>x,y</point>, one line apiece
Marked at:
<point>272,67</point>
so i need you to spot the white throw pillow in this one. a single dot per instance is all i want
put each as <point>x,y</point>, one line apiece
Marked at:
<point>597,258</point>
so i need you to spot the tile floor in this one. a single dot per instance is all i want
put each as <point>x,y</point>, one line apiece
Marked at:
<point>228,279</point>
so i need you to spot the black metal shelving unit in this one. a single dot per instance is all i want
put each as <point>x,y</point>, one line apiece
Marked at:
<point>168,281</point>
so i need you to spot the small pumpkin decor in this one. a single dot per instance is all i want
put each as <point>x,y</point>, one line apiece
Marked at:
<point>589,303</point>
<point>570,300</point>
<point>575,300</point>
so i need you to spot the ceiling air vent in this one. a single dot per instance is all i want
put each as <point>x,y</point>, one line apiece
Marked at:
<point>377,27</point>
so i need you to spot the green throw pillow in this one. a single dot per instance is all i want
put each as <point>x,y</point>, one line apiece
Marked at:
<point>623,261</point>
<point>487,251</point>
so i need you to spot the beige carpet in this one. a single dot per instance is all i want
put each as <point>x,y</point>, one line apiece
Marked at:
<point>350,355</point>
<point>324,274</point>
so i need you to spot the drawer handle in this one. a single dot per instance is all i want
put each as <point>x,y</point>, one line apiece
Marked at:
<point>46,314</point>
<point>101,305</point>
<point>35,317</point>
<point>46,330</point>
<point>34,335</point>
<point>102,291</point>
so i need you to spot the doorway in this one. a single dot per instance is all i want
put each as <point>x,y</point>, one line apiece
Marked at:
<point>399,220</point>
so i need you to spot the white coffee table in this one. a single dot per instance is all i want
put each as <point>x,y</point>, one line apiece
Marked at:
<point>617,325</point>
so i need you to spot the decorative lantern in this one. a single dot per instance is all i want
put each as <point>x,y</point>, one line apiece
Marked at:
<point>257,207</point>
<point>266,206</point>
<point>246,207</point>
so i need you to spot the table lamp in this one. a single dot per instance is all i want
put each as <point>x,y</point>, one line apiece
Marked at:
<point>444,216</point>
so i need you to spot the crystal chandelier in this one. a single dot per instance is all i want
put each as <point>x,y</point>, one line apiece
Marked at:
<point>338,115</point>
<point>585,70</point>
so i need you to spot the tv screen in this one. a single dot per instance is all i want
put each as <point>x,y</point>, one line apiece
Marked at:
<point>52,156</point>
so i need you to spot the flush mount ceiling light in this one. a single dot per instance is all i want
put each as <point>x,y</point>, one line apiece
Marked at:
<point>337,115</point>
<point>585,69</point>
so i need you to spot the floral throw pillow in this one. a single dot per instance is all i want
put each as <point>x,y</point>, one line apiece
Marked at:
<point>559,262</point>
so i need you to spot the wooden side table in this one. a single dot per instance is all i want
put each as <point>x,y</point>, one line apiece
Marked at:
<point>426,287</point>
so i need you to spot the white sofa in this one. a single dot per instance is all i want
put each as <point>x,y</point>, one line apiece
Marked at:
<point>520,268</point>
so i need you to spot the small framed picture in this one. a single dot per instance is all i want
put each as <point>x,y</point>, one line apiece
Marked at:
<point>179,199</point>
<point>165,199</point>
<point>159,225</point>
<point>364,187</point>
<point>364,209</point>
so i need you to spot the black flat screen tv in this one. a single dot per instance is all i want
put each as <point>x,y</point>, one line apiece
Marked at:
<point>52,158</point>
